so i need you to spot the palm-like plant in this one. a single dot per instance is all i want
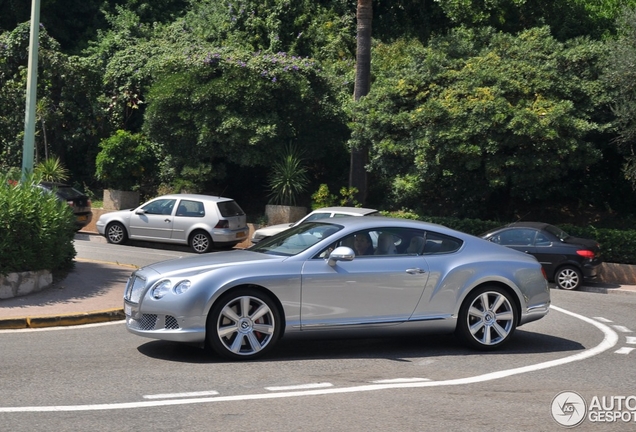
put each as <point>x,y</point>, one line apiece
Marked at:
<point>288,178</point>
<point>51,169</point>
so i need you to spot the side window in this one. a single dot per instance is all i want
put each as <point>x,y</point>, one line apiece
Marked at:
<point>381,242</point>
<point>189,208</point>
<point>440,244</point>
<point>159,207</point>
<point>515,237</point>
<point>542,240</point>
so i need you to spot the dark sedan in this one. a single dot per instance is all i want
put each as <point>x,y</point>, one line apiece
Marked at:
<point>79,203</point>
<point>567,260</point>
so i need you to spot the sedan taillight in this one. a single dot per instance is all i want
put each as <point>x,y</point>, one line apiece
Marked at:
<point>223,224</point>
<point>585,253</point>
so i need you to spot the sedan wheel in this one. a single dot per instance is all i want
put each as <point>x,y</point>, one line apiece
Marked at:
<point>243,325</point>
<point>487,318</point>
<point>116,233</point>
<point>568,278</point>
<point>201,242</point>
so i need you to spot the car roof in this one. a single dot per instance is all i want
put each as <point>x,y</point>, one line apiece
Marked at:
<point>346,210</point>
<point>353,222</point>
<point>538,225</point>
<point>195,197</point>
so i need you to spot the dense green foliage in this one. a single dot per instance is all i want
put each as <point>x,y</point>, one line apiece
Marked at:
<point>36,229</point>
<point>476,109</point>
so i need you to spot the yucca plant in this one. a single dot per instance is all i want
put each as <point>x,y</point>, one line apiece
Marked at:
<point>51,170</point>
<point>288,178</point>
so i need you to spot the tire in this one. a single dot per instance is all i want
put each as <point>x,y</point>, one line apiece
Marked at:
<point>200,242</point>
<point>243,325</point>
<point>568,278</point>
<point>116,233</point>
<point>487,318</point>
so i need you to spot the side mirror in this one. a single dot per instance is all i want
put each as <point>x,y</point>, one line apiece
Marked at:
<point>140,211</point>
<point>342,253</point>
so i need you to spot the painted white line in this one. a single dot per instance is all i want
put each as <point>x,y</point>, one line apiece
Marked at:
<point>624,350</point>
<point>400,380</point>
<point>299,387</point>
<point>610,340</point>
<point>631,339</point>
<point>622,329</point>
<point>180,395</point>
<point>59,328</point>
<point>601,319</point>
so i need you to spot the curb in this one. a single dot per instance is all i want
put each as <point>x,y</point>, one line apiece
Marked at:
<point>72,319</point>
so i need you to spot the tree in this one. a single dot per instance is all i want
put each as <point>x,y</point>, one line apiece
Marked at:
<point>360,150</point>
<point>480,120</point>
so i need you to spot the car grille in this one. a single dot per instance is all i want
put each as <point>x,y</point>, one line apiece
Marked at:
<point>134,288</point>
<point>150,321</point>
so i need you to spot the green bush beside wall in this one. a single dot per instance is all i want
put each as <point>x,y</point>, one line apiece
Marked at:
<point>36,229</point>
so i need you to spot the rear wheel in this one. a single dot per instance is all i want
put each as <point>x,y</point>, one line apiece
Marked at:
<point>243,324</point>
<point>116,233</point>
<point>200,241</point>
<point>487,318</point>
<point>568,278</point>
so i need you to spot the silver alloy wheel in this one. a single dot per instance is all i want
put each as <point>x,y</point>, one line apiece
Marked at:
<point>245,325</point>
<point>116,233</point>
<point>200,242</point>
<point>568,278</point>
<point>490,318</point>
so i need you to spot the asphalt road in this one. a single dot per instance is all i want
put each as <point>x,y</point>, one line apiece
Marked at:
<point>103,378</point>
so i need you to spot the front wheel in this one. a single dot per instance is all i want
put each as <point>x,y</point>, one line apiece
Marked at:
<point>200,242</point>
<point>487,318</point>
<point>116,233</point>
<point>243,325</point>
<point>568,278</point>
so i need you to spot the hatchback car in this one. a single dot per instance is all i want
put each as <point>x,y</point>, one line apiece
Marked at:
<point>79,202</point>
<point>200,221</point>
<point>567,260</point>
<point>321,213</point>
<point>308,279</point>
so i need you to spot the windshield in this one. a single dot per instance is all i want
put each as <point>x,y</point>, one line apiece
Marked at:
<point>562,235</point>
<point>297,239</point>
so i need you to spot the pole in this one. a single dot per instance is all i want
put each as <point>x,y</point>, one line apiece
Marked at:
<point>31,91</point>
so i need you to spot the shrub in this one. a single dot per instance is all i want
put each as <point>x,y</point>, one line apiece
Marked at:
<point>36,229</point>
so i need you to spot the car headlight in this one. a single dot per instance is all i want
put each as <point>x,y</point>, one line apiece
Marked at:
<point>182,287</point>
<point>161,289</point>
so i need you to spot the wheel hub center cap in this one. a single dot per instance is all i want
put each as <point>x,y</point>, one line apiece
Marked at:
<point>245,325</point>
<point>489,318</point>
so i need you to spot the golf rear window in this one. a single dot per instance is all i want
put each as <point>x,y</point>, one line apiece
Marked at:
<point>230,209</point>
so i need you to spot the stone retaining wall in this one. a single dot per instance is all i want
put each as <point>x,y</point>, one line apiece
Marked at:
<point>23,283</point>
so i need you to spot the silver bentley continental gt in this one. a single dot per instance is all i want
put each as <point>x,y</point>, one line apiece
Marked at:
<point>365,275</point>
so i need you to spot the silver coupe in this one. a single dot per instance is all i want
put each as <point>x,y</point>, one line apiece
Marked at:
<point>366,275</point>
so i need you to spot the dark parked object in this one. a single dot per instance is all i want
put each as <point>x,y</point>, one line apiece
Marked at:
<point>566,260</point>
<point>79,202</point>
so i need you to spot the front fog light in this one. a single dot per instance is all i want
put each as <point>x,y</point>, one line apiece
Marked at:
<point>161,289</point>
<point>182,287</point>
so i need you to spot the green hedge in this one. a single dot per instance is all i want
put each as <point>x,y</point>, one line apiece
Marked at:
<point>36,229</point>
<point>617,246</point>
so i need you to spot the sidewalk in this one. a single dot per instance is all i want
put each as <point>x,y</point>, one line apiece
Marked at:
<point>93,292</point>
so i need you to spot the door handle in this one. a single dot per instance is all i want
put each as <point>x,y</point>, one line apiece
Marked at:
<point>166,220</point>
<point>415,271</point>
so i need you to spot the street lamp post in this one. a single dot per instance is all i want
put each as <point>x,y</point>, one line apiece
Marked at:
<point>31,91</point>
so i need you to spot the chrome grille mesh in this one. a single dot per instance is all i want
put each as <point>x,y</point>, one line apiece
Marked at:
<point>171,323</point>
<point>147,322</point>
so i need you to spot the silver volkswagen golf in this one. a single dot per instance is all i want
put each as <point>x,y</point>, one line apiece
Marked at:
<point>366,275</point>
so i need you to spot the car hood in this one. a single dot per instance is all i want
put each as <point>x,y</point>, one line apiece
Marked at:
<point>206,262</point>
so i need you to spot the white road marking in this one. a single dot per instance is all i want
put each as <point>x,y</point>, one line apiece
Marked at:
<point>400,380</point>
<point>631,339</point>
<point>624,350</point>
<point>601,319</point>
<point>622,329</point>
<point>610,340</point>
<point>180,395</point>
<point>299,387</point>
